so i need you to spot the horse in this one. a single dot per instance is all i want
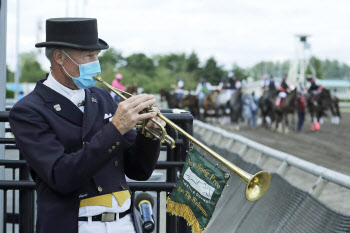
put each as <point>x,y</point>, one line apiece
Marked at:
<point>236,106</point>
<point>266,107</point>
<point>207,107</point>
<point>132,89</point>
<point>191,103</point>
<point>282,111</point>
<point>170,98</point>
<point>335,110</point>
<point>318,104</point>
<point>222,103</point>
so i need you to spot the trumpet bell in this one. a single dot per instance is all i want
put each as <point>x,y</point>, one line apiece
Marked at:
<point>257,186</point>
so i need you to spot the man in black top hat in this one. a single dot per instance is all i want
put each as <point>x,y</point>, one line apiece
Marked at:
<point>78,143</point>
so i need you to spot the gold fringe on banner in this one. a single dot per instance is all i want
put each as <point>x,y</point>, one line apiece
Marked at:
<point>184,211</point>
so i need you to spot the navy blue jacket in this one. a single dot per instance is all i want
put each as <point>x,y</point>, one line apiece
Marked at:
<point>71,154</point>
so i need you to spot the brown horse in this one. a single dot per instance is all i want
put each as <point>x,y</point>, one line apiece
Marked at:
<point>191,103</point>
<point>282,111</point>
<point>207,106</point>
<point>132,89</point>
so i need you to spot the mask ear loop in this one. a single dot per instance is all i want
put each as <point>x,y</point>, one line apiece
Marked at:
<point>70,57</point>
<point>67,72</point>
<point>72,61</point>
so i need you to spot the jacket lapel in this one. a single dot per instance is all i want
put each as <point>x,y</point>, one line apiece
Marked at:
<point>59,104</point>
<point>90,111</point>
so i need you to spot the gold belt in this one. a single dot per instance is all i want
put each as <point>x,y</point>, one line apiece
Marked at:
<point>106,199</point>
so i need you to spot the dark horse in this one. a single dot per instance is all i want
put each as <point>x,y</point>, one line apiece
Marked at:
<point>170,98</point>
<point>236,106</point>
<point>318,104</point>
<point>335,110</point>
<point>266,106</point>
<point>288,107</point>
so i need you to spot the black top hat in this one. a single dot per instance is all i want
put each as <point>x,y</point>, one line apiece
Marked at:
<point>77,33</point>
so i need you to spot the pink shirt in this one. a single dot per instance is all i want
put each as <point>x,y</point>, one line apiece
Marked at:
<point>118,85</point>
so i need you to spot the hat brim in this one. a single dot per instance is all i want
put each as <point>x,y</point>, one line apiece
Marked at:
<point>101,45</point>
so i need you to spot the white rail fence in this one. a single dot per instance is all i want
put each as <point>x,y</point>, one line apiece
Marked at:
<point>224,139</point>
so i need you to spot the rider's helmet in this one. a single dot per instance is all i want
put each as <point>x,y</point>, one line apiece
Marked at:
<point>310,78</point>
<point>118,76</point>
<point>231,75</point>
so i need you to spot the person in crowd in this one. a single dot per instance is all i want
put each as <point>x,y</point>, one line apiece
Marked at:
<point>117,84</point>
<point>253,109</point>
<point>78,143</point>
<point>202,90</point>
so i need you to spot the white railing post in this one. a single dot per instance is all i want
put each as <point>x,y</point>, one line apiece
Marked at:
<point>318,187</point>
<point>282,170</point>
<point>243,150</point>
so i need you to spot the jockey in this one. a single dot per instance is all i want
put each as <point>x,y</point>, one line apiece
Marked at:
<point>312,85</point>
<point>312,88</point>
<point>203,89</point>
<point>234,82</point>
<point>179,90</point>
<point>272,85</point>
<point>117,84</point>
<point>284,90</point>
<point>224,84</point>
<point>265,83</point>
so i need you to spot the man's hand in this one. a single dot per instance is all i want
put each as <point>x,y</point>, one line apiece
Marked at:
<point>150,124</point>
<point>127,114</point>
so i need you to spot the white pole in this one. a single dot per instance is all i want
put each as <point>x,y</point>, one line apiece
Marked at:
<point>18,65</point>
<point>67,8</point>
<point>3,30</point>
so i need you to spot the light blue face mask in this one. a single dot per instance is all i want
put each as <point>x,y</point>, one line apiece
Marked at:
<point>87,71</point>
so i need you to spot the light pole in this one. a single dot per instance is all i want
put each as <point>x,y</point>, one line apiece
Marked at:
<point>301,61</point>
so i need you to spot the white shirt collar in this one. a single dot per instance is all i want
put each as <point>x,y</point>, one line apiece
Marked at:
<point>76,96</point>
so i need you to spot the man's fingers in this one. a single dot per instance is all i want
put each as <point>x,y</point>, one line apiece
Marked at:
<point>148,115</point>
<point>137,101</point>
<point>144,105</point>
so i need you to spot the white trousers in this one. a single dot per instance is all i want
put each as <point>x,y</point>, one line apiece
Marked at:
<point>124,225</point>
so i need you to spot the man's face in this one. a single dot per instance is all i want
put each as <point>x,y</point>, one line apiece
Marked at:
<point>80,57</point>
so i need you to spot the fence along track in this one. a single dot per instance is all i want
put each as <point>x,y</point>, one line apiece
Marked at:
<point>330,187</point>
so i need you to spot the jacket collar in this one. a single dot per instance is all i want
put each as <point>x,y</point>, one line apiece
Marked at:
<point>59,104</point>
<point>69,111</point>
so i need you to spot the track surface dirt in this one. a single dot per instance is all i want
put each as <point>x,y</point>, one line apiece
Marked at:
<point>328,147</point>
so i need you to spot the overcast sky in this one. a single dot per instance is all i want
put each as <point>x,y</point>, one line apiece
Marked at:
<point>233,31</point>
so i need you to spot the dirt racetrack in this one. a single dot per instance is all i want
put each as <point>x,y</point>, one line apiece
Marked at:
<point>328,147</point>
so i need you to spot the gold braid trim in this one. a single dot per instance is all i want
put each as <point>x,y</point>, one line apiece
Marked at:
<point>184,211</point>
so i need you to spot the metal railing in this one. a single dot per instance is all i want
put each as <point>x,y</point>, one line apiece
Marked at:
<point>323,174</point>
<point>23,220</point>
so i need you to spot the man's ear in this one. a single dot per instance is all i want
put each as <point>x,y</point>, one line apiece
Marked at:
<point>58,56</point>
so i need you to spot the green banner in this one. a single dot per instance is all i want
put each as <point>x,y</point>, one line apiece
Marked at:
<point>198,190</point>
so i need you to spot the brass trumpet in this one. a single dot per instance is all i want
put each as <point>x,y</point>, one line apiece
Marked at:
<point>256,185</point>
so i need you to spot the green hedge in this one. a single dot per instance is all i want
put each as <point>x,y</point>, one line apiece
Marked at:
<point>10,94</point>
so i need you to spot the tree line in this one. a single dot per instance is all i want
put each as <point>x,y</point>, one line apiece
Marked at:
<point>160,71</point>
